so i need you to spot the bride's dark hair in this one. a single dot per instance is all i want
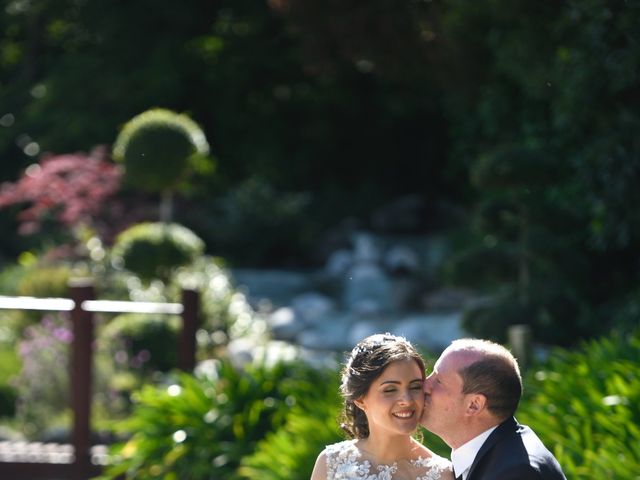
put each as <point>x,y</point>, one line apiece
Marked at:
<point>365,363</point>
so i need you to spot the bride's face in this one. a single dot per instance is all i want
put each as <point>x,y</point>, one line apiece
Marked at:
<point>395,399</point>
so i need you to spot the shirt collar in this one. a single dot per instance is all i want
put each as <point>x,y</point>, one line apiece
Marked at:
<point>463,456</point>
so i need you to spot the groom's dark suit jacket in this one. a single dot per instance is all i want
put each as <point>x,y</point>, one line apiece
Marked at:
<point>514,452</point>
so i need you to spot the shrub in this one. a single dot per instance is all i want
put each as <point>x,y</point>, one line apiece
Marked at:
<point>9,368</point>
<point>289,453</point>
<point>43,382</point>
<point>135,348</point>
<point>154,250</point>
<point>585,405</point>
<point>144,342</point>
<point>8,397</point>
<point>158,147</point>
<point>201,427</point>
<point>45,281</point>
<point>255,209</point>
<point>72,189</point>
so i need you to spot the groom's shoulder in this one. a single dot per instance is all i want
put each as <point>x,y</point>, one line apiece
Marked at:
<point>538,456</point>
<point>530,438</point>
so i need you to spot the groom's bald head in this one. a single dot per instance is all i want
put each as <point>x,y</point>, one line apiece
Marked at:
<point>489,369</point>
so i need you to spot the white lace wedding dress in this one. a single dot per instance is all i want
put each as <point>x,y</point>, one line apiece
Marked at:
<point>346,462</point>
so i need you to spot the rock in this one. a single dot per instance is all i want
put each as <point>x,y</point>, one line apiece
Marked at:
<point>367,290</point>
<point>365,249</point>
<point>284,325</point>
<point>329,334</point>
<point>312,307</point>
<point>432,331</point>
<point>278,286</point>
<point>401,260</point>
<point>405,293</point>
<point>363,328</point>
<point>339,263</point>
<point>448,299</point>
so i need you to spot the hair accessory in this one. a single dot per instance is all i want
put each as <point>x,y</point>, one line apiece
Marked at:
<point>374,341</point>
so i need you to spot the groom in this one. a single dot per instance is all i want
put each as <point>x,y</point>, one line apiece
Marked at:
<point>470,399</point>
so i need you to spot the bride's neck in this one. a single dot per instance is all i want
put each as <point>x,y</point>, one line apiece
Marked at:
<point>386,449</point>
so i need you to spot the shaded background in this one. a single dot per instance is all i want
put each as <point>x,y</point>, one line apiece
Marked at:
<point>508,127</point>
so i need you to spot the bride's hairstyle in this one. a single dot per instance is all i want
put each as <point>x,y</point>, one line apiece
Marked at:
<point>365,363</point>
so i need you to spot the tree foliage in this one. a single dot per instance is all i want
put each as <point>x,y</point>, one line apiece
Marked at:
<point>543,119</point>
<point>70,189</point>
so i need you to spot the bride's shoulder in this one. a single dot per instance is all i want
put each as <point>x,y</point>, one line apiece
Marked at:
<point>439,467</point>
<point>332,456</point>
<point>345,445</point>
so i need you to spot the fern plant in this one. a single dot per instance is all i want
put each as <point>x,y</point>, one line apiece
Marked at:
<point>289,452</point>
<point>585,404</point>
<point>201,427</point>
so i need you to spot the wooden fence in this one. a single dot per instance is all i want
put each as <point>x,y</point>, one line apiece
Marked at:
<point>81,460</point>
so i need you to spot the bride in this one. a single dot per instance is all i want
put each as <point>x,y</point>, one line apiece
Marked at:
<point>383,401</point>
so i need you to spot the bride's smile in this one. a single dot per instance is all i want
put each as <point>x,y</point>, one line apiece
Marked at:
<point>404,414</point>
<point>396,393</point>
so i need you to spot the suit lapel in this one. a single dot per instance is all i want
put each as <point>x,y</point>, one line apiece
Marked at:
<point>507,426</point>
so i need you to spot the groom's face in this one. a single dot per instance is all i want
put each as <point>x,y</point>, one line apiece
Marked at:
<point>444,401</point>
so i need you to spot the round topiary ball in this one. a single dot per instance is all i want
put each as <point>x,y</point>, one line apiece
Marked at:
<point>158,147</point>
<point>154,250</point>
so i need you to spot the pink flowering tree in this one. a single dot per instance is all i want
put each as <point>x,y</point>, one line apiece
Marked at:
<point>72,190</point>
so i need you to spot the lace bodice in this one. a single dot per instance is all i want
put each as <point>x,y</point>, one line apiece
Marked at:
<point>345,462</point>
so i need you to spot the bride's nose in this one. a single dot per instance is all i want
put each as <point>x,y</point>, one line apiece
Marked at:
<point>405,397</point>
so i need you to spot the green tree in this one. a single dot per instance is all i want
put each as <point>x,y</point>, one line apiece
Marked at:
<point>556,80</point>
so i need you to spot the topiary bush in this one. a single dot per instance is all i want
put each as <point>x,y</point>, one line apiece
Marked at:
<point>143,341</point>
<point>585,405</point>
<point>138,348</point>
<point>158,148</point>
<point>154,250</point>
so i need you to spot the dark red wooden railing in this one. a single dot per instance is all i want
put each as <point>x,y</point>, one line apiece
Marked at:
<point>20,461</point>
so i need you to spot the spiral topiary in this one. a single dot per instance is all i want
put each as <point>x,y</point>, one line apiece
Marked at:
<point>154,250</point>
<point>158,147</point>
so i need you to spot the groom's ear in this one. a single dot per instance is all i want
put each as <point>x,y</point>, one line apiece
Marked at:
<point>476,404</point>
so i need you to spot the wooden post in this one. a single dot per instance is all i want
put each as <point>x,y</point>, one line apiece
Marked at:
<point>81,373</point>
<point>520,342</point>
<point>187,346</point>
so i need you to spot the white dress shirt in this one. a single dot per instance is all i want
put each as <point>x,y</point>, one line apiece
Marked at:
<point>463,456</point>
